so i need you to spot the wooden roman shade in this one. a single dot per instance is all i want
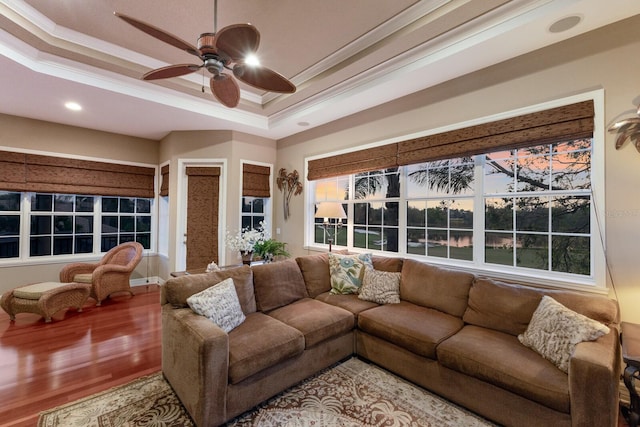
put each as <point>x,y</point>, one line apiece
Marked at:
<point>255,181</point>
<point>48,174</point>
<point>164,181</point>
<point>370,159</point>
<point>568,122</point>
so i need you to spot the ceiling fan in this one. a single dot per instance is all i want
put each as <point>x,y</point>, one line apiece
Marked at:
<point>222,50</point>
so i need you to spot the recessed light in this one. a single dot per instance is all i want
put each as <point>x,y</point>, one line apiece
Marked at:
<point>565,24</point>
<point>73,106</point>
<point>303,124</point>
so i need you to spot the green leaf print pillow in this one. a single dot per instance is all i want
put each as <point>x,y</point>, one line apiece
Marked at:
<point>347,272</point>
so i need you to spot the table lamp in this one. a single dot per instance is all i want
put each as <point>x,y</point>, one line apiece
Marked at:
<point>330,210</point>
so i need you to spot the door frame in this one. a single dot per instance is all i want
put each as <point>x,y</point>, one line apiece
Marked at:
<point>181,208</point>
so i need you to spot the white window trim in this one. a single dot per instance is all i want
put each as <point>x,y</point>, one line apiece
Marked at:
<point>596,283</point>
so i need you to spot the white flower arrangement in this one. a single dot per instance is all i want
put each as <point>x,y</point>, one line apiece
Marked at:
<point>245,240</point>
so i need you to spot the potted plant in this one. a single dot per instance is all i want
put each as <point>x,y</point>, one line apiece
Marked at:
<point>268,249</point>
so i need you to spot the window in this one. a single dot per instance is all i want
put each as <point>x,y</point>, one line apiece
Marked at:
<point>527,209</point>
<point>60,224</point>
<point>66,224</point>
<point>537,207</point>
<point>125,219</point>
<point>254,212</point>
<point>10,206</point>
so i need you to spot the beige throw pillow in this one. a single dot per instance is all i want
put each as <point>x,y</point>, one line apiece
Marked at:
<point>382,287</point>
<point>220,304</point>
<point>555,330</point>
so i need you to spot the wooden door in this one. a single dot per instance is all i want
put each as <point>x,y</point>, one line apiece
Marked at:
<point>203,188</point>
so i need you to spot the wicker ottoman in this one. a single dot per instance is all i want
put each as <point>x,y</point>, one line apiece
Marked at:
<point>44,298</point>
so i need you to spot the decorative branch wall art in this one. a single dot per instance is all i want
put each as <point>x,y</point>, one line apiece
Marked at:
<point>290,185</point>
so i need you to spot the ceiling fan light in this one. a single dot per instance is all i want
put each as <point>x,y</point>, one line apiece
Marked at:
<point>252,60</point>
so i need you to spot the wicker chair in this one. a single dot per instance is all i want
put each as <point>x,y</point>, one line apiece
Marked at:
<point>109,275</point>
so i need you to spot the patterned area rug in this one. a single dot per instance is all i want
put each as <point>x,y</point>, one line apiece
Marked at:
<point>351,394</point>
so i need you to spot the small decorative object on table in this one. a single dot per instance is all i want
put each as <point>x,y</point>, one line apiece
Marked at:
<point>290,185</point>
<point>212,267</point>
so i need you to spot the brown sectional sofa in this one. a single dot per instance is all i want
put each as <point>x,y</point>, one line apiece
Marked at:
<point>452,333</point>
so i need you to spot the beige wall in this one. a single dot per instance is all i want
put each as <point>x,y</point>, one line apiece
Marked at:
<point>233,147</point>
<point>605,59</point>
<point>18,133</point>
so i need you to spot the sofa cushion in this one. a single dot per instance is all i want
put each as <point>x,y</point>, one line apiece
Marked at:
<point>434,287</point>
<point>220,304</point>
<point>177,289</point>
<point>413,327</point>
<point>316,320</point>
<point>508,307</point>
<point>383,263</point>
<point>498,358</point>
<point>349,302</point>
<point>382,287</point>
<point>554,332</point>
<point>260,342</point>
<point>315,270</point>
<point>277,284</point>
<point>347,272</point>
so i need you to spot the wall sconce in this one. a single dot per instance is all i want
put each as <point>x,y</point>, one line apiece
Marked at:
<point>331,210</point>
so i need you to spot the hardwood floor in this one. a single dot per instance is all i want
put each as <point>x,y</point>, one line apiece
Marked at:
<point>78,354</point>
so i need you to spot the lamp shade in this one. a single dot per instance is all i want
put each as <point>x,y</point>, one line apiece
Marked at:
<point>330,210</point>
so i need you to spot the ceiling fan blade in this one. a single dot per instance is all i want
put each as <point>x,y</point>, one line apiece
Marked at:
<point>226,90</point>
<point>159,34</point>
<point>171,71</point>
<point>263,78</point>
<point>238,41</point>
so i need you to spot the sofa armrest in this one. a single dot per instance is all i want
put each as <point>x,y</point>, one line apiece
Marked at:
<point>195,361</point>
<point>594,380</point>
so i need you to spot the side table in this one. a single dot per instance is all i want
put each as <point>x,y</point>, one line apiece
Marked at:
<point>630,337</point>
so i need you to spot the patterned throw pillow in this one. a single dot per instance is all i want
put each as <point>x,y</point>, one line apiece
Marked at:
<point>347,272</point>
<point>382,287</point>
<point>220,304</point>
<point>555,330</point>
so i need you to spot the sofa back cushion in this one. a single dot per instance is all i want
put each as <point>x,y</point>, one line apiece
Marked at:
<point>315,271</point>
<point>509,307</point>
<point>175,291</point>
<point>383,263</point>
<point>278,284</point>
<point>435,287</point>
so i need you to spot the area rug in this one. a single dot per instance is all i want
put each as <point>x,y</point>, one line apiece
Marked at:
<point>351,394</point>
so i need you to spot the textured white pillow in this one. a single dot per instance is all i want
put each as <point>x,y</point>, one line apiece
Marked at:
<point>220,304</point>
<point>555,330</point>
<point>347,272</point>
<point>382,287</point>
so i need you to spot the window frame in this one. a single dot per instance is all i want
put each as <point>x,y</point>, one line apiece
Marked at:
<point>595,282</point>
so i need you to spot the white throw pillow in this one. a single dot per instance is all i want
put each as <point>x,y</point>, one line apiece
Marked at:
<point>382,287</point>
<point>220,304</point>
<point>555,330</point>
<point>347,272</point>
